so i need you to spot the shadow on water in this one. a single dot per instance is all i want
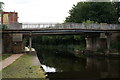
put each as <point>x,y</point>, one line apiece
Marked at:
<point>60,62</point>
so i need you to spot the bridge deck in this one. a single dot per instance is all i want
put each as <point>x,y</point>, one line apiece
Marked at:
<point>57,31</point>
<point>67,28</point>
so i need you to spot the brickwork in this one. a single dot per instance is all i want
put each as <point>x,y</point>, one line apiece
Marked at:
<point>9,17</point>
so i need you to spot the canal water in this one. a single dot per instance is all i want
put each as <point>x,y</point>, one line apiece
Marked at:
<point>65,62</point>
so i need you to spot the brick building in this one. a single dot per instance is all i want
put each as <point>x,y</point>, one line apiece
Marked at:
<point>9,17</point>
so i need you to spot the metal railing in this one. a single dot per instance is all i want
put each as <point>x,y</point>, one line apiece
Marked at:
<point>70,26</point>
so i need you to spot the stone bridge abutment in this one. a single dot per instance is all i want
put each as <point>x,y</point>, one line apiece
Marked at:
<point>98,41</point>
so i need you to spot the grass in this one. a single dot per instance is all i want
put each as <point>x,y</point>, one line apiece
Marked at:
<point>4,56</point>
<point>23,68</point>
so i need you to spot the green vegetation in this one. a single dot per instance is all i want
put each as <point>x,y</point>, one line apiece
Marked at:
<point>1,6</point>
<point>4,56</point>
<point>117,4</point>
<point>88,21</point>
<point>60,48</point>
<point>58,40</point>
<point>116,44</point>
<point>23,68</point>
<point>101,50</point>
<point>101,12</point>
<point>3,26</point>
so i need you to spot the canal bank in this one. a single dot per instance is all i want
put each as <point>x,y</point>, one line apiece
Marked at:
<point>27,66</point>
<point>107,54</point>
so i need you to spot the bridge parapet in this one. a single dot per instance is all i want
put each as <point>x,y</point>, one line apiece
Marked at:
<point>71,26</point>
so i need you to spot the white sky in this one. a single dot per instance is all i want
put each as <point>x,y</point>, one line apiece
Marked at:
<point>40,10</point>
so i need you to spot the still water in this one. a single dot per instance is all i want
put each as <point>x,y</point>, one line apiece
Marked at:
<point>65,62</point>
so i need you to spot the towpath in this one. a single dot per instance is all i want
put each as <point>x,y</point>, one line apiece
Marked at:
<point>9,60</point>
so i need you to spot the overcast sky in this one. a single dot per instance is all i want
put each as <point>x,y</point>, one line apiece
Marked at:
<point>40,10</point>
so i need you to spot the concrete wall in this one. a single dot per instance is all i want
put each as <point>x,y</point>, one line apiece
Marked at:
<point>114,37</point>
<point>17,37</point>
<point>17,47</point>
<point>95,42</point>
<point>7,43</point>
<point>13,43</point>
<point>10,46</point>
<point>15,26</point>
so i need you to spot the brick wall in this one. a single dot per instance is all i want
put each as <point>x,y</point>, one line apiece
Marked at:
<point>9,17</point>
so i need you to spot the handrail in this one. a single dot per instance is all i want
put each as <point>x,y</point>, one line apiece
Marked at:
<point>71,26</point>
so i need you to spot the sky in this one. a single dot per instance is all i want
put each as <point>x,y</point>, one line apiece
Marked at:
<point>43,11</point>
<point>40,11</point>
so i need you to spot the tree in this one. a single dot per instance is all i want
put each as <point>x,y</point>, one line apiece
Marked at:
<point>117,6</point>
<point>101,12</point>
<point>1,6</point>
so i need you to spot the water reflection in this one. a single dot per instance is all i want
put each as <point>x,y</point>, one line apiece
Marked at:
<point>48,69</point>
<point>108,68</point>
<point>64,62</point>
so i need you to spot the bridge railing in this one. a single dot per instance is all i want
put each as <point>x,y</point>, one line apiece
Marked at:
<point>64,26</point>
<point>71,26</point>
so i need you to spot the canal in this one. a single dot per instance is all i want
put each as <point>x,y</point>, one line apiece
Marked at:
<point>65,62</point>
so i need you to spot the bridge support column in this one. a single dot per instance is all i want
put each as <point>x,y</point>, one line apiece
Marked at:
<point>30,43</point>
<point>108,40</point>
<point>92,43</point>
<point>88,43</point>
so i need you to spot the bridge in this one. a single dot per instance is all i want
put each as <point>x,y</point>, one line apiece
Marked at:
<point>57,28</point>
<point>92,32</point>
